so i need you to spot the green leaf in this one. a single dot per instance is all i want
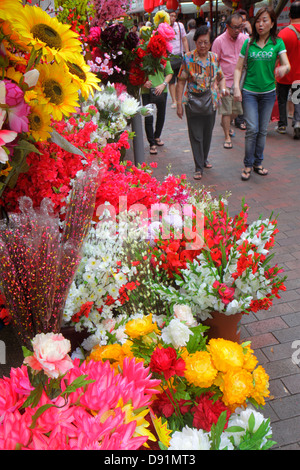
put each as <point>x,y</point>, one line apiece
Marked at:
<point>77,383</point>
<point>216,431</point>
<point>26,352</point>
<point>39,412</point>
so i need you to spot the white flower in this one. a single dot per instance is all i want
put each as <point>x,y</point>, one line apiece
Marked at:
<point>190,439</point>
<point>31,77</point>
<point>130,106</point>
<point>184,313</point>
<point>176,333</point>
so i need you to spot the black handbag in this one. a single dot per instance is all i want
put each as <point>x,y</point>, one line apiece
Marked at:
<point>200,103</point>
<point>154,98</point>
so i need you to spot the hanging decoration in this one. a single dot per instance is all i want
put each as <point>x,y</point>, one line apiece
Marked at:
<point>172,4</point>
<point>149,6</point>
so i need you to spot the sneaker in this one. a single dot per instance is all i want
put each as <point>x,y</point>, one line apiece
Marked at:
<point>281,129</point>
<point>297,133</point>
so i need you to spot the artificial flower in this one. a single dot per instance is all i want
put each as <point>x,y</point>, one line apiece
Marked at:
<point>237,386</point>
<point>140,327</point>
<point>226,355</point>
<point>56,90</point>
<point>39,123</point>
<point>176,333</point>
<point>164,361</point>
<point>55,40</point>
<point>190,439</point>
<point>200,370</point>
<point>82,76</point>
<point>161,17</point>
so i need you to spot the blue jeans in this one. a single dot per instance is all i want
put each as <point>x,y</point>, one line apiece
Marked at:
<point>257,113</point>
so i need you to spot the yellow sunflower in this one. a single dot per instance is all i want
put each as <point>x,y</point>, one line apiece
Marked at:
<point>85,80</point>
<point>45,33</point>
<point>39,123</point>
<point>8,8</point>
<point>56,90</point>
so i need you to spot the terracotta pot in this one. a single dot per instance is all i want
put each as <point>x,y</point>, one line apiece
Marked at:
<point>75,337</point>
<point>224,326</point>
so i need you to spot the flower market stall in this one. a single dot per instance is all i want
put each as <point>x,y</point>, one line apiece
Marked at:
<point>114,281</point>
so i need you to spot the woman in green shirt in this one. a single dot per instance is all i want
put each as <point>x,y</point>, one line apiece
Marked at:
<point>258,93</point>
<point>158,83</point>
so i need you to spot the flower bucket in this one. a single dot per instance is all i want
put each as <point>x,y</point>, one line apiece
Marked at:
<point>224,326</point>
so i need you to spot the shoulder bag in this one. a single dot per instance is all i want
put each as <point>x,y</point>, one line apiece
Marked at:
<point>244,71</point>
<point>201,102</point>
<point>176,60</point>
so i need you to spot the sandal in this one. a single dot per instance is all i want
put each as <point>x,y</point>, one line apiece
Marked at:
<point>197,175</point>
<point>153,150</point>
<point>231,133</point>
<point>227,145</point>
<point>260,170</point>
<point>159,142</point>
<point>207,165</point>
<point>245,174</point>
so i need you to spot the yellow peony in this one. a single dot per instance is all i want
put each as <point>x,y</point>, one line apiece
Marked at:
<point>250,361</point>
<point>161,17</point>
<point>226,355</point>
<point>200,370</point>
<point>111,352</point>
<point>139,327</point>
<point>237,386</point>
<point>261,385</point>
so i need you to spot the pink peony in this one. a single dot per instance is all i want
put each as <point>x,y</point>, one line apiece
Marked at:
<point>50,354</point>
<point>166,31</point>
<point>14,94</point>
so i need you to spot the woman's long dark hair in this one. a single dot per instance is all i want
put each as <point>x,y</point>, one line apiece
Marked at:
<point>273,31</point>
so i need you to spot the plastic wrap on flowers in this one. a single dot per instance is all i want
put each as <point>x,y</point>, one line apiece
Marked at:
<point>38,261</point>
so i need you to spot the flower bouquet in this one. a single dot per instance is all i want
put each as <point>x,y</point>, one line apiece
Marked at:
<point>206,388</point>
<point>55,403</point>
<point>232,273</point>
<point>121,56</point>
<point>43,73</point>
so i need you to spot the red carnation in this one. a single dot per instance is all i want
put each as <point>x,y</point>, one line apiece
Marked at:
<point>157,46</point>
<point>208,411</point>
<point>164,362</point>
<point>137,76</point>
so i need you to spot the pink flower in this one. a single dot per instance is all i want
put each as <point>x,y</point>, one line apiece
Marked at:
<point>50,353</point>
<point>17,117</point>
<point>14,95</point>
<point>166,31</point>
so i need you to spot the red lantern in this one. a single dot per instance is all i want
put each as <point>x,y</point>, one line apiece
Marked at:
<point>149,6</point>
<point>199,2</point>
<point>172,4</point>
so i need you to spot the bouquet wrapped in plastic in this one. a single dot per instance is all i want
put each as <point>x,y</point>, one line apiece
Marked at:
<point>38,258</point>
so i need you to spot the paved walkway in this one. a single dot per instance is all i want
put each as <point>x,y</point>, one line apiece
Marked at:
<point>272,332</point>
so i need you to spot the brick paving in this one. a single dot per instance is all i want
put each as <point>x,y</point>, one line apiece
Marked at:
<point>271,332</point>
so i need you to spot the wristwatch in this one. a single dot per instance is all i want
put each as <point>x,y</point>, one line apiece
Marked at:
<point>165,83</point>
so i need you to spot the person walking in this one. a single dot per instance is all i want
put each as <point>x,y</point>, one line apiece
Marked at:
<point>191,27</point>
<point>227,46</point>
<point>258,92</point>
<point>199,72</point>
<point>155,91</point>
<point>288,83</point>
<point>179,47</point>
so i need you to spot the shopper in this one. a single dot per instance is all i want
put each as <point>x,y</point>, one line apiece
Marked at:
<point>258,93</point>
<point>156,85</point>
<point>179,47</point>
<point>200,71</point>
<point>191,27</point>
<point>288,83</point>
<point>227,46</point>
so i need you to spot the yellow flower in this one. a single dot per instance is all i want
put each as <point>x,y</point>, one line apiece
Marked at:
<point>163,433</point>
<point>200,370</point>
<point>141,423</point>
<point>226,354</point>
<point>46,34</point>
<point>5,171</point>
<point>39,123</point>
<point>261,385</point>
<point>141,326</point>
<point>57,90</point>
<point>250,361</point>
<point>161,17</point>
<point>111,352</point>
<point>84,79</point>
<point>237,386</point>
<point>8,8</point>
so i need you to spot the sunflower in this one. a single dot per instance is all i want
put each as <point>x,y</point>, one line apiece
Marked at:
<point>39,123</point>
<point>55,40</point>
<point>8,8</point>
<point>56,90</point>
<point>84,79</point>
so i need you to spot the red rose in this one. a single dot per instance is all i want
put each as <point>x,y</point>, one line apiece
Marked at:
<point>164,362</point>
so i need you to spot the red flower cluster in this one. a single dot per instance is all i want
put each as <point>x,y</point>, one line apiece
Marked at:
<point>164,361</point>
<point>157,46</point>
<point>207,412</point>
<point>84,311</point>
